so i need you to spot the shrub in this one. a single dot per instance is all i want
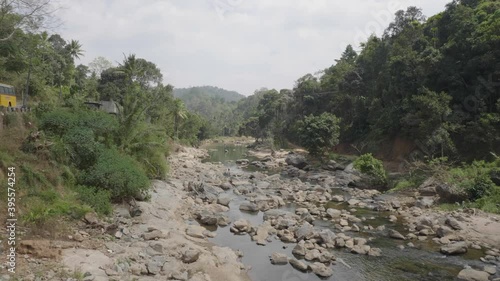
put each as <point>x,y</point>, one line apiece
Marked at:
<point>480,187</point>
<point>83,148</point>
<point>367,164</point>
<point>98,199</point>
<point>57,122</point>
<point>319,133</point>
<point>117,173</point>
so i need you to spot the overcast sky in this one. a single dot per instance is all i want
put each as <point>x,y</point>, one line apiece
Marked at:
<point>238,45</point>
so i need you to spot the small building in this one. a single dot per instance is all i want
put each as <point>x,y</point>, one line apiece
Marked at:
<point>7,96</point>
<point>110,107</point>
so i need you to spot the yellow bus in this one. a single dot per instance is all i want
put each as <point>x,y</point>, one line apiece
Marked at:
<point>7,96</point>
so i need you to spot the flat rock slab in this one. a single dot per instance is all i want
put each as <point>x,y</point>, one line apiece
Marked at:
<point>87,261</point>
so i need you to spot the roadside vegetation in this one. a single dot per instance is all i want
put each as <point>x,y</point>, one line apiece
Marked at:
<point>70,158</point>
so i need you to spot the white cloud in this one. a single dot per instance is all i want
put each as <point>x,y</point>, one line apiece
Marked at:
<point>235,44</point>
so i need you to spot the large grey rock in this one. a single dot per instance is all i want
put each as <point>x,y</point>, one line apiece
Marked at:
<point>306,231</point>
<point>333,213</point>
<point>298,265</point>
<point>248,206</point>
<point>327,236</point>
<point>224,199</point>
<point>242,225</point>
<point>299,249</point>
<point>190,255</point>
<point>396,235</point>
<point>195,231</point>
<point>278,258</point>
<point>470,274</point>
<point>321,270</point>
<point>296,160</point>
<point>443,231</point>
<point>453,223</point>
<point>450,194</point>
<point>152,235</point>
<point>275,213</point>
<point>456,248</point>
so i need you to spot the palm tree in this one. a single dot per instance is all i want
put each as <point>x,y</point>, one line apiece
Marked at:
<point>75,49</point>
<point>180,113</point>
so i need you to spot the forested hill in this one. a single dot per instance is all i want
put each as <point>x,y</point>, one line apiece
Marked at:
<point>214,104</point>
<point>206,92</point>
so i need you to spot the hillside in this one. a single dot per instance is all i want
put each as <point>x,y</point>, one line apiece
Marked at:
<point>212,103</point>
<point>187,94</point>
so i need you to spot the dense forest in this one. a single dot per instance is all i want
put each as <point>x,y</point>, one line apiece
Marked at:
<point>433,81</point>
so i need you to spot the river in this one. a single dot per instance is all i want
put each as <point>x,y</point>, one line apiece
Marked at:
<point>423,262</point>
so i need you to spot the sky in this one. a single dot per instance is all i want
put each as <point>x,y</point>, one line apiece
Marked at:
<point>240,45</point>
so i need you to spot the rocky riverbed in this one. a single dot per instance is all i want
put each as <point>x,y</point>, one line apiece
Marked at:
<point>269,216</point>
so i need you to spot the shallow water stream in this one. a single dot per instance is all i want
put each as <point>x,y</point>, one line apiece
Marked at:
<point>421,263</point>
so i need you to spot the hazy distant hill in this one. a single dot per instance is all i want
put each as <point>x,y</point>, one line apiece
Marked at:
<point>187,94</point>
<point>215,104</point>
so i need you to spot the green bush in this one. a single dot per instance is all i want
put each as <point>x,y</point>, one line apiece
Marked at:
<point>367,164</point>
<point>480,187</point>
<point>117,173</point>
<point>83,148</point>
<point>98,199</point>
<point>319,133</point>
<point>57,122</point>
<point>403,184</point>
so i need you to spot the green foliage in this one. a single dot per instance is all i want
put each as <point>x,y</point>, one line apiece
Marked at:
<point>98,199</point>
<point>481,187</point>
<point>319,133</point>
<point>83,149</point>
<point>121,175</point>
<point>403,184</point>
<point>367,164</point>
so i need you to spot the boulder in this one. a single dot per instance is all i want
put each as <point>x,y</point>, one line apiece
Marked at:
<point>242,225</point>
<point>450,194</point>
<point>248,206</point>
<point>456,248</point>
<point>453,223</point>
<point>321,270</point>
<point>195,231</point>
<point>299,249</point>
<point>313,254</point>
<point>360,249</point>
<point>91,218</point>
<point>224,199</point>
<point>296,160</point>
<point>155,234</point>
<point>226,186</point>
<point>470,274</point>
<point>298,265</point>
<point>306,231</point>
<point>190,255</point>
<point>396,235</point>
<point>444,231</point>
<point>279,259</point>
<point>333,213</point>
<point>327,236</point>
